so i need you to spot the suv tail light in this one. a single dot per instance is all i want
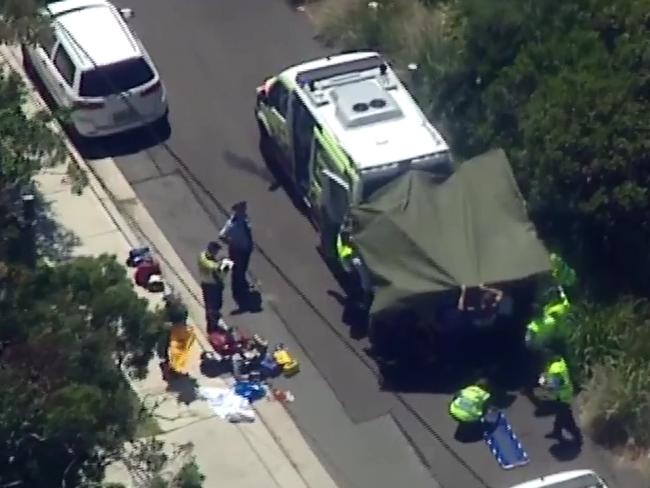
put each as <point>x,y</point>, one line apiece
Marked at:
<point>153,88</point>
<point>88,105</point>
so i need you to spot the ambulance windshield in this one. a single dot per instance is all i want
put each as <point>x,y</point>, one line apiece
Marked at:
<point>372,179</point>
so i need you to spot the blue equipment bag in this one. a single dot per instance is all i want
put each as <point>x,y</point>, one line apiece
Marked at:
<point>503,441</point>
<point>269,367</point>
<point>138,255</point>
<point>249,390</point>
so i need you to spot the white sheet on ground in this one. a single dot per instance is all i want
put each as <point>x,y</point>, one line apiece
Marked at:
<point>227,404</point>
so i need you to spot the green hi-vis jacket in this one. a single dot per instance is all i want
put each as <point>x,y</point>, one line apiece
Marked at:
<point>541,330</point>
<point>469,405</point>
<point>559,382</point>
<point>210,270</point>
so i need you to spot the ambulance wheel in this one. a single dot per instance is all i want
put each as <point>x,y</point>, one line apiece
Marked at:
<point>264,134</point>
<point>265,141</point>
<point>328,241</point>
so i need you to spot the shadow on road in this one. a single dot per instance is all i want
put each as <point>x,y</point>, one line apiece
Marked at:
<point>565,451</point>
<point>279,178</point>
<point>469,433</point>
<point>456,362</point>
<point>123,144</point>
<point>185,387</point>
<point>252,303</point>
<point>249,166</point>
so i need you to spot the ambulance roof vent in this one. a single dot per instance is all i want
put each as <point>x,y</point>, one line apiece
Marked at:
<point>363,103</point>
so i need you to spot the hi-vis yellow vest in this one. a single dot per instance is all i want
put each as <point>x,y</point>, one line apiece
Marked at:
<point>558,373</point>
<point>209,269</point>
<point>182,338</point>
<point>468,406</point>
<point>542,329</point>
<point>344,251</point>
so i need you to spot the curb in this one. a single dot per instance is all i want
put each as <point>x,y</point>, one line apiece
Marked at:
<point>296,450</point>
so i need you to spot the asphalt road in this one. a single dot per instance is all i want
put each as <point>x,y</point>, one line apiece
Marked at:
<point>212,54</point>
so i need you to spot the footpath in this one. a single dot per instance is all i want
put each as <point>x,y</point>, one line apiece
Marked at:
<point>270,451</point>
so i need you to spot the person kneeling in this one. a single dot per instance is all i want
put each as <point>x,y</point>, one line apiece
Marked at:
<point>468,408</point>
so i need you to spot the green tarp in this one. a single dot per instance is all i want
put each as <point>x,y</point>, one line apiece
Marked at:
<point>419,237</point>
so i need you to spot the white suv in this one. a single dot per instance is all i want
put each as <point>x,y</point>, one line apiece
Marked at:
<point>578,478</point>
<point>92,64</point>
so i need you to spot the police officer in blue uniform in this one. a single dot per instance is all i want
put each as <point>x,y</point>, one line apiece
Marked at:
<point>237,234</point>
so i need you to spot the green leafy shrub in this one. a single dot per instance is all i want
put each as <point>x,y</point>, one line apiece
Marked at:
<point>610,334</point>
<point>398,28</point>
<point>65,406</point>
<point>189,476</point>
<point>615,405</point>
<point>358,24</point>
<point>563,87</point>
<point>610,345</point>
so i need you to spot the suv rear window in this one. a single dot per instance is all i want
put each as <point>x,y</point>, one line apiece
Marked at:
<point>115,78</point>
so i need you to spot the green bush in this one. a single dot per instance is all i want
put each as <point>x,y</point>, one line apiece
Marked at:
<point>615,405</point>
<point>189,476</point>
<point>397,28</point>
<point>355,24</point>
<point>611,347</point>
<point>610,334</point>
<point>563,86</point>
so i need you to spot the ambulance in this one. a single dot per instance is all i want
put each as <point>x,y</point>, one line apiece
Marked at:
<point>341,127</point>
<point>425,230</point>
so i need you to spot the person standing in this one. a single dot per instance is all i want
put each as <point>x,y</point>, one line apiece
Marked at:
<point>237,234</point>
<point>213,272</point>
<point>556,380</point>
<point>356,281</point>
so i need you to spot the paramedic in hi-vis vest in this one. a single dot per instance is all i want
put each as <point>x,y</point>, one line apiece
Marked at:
<point>469,407</point>
<point>358,284</point>
<point>213,271</point>
<point>470,404</point>
<point>556,381</point>
<point>549,329</point>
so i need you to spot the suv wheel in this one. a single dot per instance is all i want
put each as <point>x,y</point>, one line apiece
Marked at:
<point>28,66</point>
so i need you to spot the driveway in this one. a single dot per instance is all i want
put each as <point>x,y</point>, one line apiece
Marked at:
<point>212,54</point>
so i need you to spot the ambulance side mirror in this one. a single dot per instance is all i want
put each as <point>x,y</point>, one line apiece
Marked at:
<point>261,95</point>
<point>127,13</point>
<point>412,75</point>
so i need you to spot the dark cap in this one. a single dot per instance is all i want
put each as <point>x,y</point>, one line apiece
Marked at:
<point>213,247</point>
<point>239,206</point>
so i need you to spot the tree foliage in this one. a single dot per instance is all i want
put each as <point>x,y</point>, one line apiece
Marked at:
<point>20,20</point>
<point>65,408</point>
<point>564,88</point>
<point>28,144</point>
<point>69,332</point>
